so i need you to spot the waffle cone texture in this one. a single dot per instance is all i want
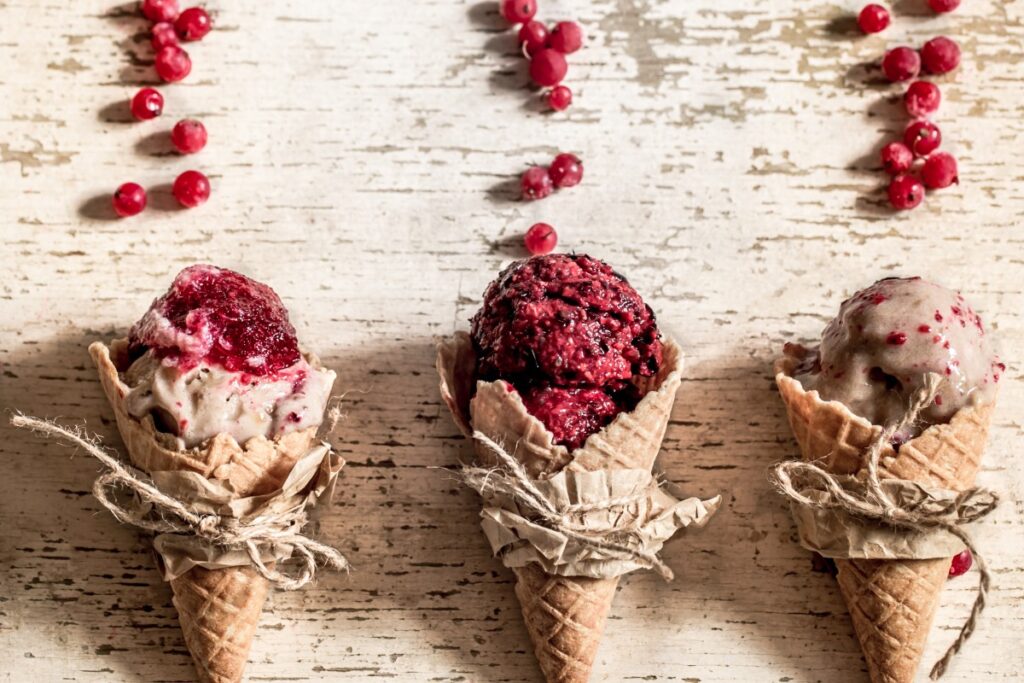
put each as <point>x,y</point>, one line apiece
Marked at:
<point>564,615</point>
<point>892,602</point>
<point>219,609</point>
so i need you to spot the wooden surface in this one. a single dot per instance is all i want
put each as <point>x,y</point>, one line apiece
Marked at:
<point>364,158</point>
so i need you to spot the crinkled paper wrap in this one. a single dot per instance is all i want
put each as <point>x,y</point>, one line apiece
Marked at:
<point>310,482</point>
<point>838,534</point>
<point>652,520</point>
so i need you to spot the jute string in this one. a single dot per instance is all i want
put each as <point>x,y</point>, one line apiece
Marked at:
<point>163,514</point>
<point>874,504</point>
<point>510,479</point>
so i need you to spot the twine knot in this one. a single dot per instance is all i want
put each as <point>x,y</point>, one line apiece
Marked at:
<point>160,513</point>
<point>509,478</point>
<point>869,500</point>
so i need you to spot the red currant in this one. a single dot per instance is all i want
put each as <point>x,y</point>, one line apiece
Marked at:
<point>922,137</point>
<point>193,24</point>
<point>939,171</point>
<point>566,170</point>
<point>873,19</point>
<point>188,136</point>
<point>942,6</point>
<point>160,10</point>
<point>540,239</point>
<point>961,563</point>
<point>164,36</point>
<point>901,64</point>
<point>548,67</point>
<point>129,200</point>
<point>560,97</point>
<point>566,37</point>
<point>922,98</point>
<point>533,36</point>
<point>940,55</point>
<point>147,104</point>
<point>191,189</point>
<point>905,192</point>
<point>518,11</point>
<point>172,64</point>
<point>537,183</point>
<point>896,158</point>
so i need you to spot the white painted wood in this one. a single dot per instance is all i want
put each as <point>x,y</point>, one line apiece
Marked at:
<point>364,157</point>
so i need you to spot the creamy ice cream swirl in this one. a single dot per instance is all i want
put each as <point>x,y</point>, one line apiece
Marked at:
<point>197,403</point>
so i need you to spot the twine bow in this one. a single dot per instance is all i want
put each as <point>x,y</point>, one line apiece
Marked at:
<point>873,503</point>
<point>163,514</point>
<point>510,479</point>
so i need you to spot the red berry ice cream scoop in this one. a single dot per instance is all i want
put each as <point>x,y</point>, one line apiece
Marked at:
<point>877,352</point>
<point>217,354</point>
<point>569,334</point>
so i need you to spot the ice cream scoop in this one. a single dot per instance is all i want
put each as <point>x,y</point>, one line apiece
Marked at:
<point>878,351</point>
<point>569,334</point>
<point>217,355</point>
<point>567,319</point>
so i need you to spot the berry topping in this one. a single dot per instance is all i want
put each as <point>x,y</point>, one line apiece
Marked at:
<point>564,320</point>
<point>571,415</point>
<point>961,563</point>
<point>172,64</point>
<point>537,183</point>
<point>518,11</point>
<point>896,158</point>
<point>901,64</point>
<point>547,68</point>
<point>939,171</point>
<point>896,339</point>
<point>193,24</point>
<point>164,36</point>
<point>566,37</point>
<point>560,97</point>
<point>873,19</point>
<point>160,10</point>
<point>942,6</point>
<point>191,189</point>
<point>540,239</point>
<point>129,200</point>
<point>922,98</point>
<point>188,136</point>
<point>218,317</point>
<point>566,170</point>
<point>147,104</point>
<point>922,137</point>
<point>533,35</point>
<point>940,55</point>
<point>905,192</point>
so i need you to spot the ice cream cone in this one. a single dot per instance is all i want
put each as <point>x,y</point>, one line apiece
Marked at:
<point>892,602</point>
<point>565,615</point>
<point>218,609</point>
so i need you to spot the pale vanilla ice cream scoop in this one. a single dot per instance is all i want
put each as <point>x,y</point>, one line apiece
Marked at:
<point>217,354</point>
<point>877,352</point>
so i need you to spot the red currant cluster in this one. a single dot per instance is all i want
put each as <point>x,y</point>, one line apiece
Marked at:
<point>914,162</point>
<point>545,48</point>
<point>172,64</point>
<point>565,170</point>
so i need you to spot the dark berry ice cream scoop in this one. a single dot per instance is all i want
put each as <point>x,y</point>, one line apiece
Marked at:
<point>568,320</point>
<point>569,333</point>
<point>877,352</point>
<point>217,316</point>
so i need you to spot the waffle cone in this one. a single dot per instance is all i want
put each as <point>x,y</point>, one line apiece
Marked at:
<point>565,615</point>
<point>219,609</point>
<point>892,602</point>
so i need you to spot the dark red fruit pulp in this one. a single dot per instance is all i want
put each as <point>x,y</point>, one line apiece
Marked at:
<point>228,319</point>
<point>572,415</point>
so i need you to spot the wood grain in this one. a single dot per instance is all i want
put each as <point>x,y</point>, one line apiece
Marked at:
<point>364,159</point>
